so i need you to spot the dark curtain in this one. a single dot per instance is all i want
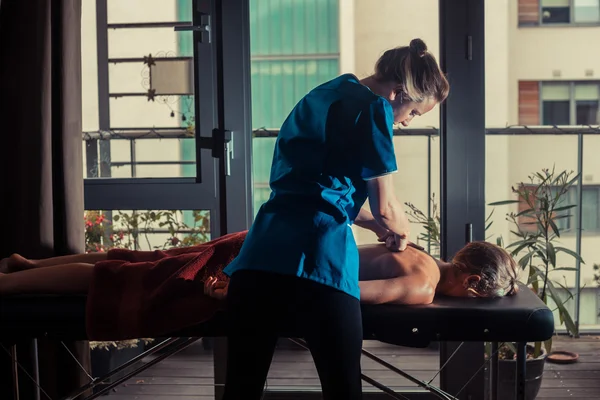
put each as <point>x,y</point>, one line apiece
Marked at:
<point>41,172</point>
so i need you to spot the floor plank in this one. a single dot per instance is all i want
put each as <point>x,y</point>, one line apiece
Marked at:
<point>189,374</point>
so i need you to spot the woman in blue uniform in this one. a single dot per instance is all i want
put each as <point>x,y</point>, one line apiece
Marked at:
<point>297,272</point>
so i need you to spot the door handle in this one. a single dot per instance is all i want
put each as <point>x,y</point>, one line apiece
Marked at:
<point>228,154</point>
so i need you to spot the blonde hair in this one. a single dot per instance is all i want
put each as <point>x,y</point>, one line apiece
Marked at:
<point>416,70</point>
<point>496,267</point>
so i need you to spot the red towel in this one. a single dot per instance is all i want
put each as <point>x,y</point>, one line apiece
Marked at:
<point>138,294</point>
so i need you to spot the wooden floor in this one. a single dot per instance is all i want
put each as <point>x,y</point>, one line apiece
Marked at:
<point>189,374</point>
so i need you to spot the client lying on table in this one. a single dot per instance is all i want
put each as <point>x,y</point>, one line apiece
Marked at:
<point>134,294</point>
<point>410,277</point>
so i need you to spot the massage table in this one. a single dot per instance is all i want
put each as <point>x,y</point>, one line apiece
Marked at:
<point>519,319</point>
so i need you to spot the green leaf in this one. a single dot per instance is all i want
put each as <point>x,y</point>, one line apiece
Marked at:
<point>519,234</point>
<point>572,181</point>
<point>518,243</point>
<point>548,345</point>
<point>554,228</point>
<point>534,283</point>
<point>522,213</point>
<point>504,202</point>
<point>563,312</point>
<point>569,252</point>
<point>537,349</point>
<point>523,262</point>
<point>563,216</point>
<point>551,253</point>
<point>564,208</point>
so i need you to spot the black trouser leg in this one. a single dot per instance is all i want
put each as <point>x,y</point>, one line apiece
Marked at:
<point>250,343</point>
<point>335,341</point>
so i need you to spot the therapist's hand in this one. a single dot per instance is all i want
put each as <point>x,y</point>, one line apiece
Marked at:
<point>394,242</point>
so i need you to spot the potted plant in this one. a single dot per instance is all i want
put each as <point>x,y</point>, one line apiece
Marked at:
<point>542,205</point>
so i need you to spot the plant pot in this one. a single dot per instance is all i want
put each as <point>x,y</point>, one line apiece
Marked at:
<point>507,377</point>
<point>105,360</point>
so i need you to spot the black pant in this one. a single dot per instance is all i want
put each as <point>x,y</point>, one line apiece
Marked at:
<point>264,306</point>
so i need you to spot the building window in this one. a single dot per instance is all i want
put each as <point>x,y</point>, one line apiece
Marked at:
<point>559,103</point>
<point>555,11</point>
<point>552,12</point>
<point>556,103</point>
<point>570,103</point>
<point>294,46</point>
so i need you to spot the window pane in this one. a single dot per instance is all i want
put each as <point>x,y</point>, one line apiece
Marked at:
<point>146,126</point>
<point>587,112</point>
<point>590,212</point>
<point>555,11</point>
<point>587,91</point>
<point>556,113</point>
<point>297,45</point>
<point>587,98</point>
<point>277,85</point>
<point>556,15</point>
<point>556,91</point>
<point>127,11</point>
<point>555,3</point>
<point>586,11</point>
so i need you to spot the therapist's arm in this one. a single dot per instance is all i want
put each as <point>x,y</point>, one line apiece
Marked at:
<point>385,207</point>
<point>365,220</point>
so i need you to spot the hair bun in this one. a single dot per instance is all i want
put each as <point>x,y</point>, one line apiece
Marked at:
<point>418,47</point>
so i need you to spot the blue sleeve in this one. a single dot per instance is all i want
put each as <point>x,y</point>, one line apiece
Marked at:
<point>376,140</point>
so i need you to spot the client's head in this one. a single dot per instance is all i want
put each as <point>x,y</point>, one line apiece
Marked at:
<point>481,269</point>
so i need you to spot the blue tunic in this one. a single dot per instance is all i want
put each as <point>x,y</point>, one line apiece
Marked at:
<point>337,137</point>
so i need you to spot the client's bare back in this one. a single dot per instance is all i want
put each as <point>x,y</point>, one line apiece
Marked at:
<point>377,262</point>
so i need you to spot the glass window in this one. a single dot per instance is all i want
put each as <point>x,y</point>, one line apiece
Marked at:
<point>586,104</point>
<point>590,210</point>
<point>138,109</point>
<point>555,11</point>
<point>586,11</point>
<point>556,104</point>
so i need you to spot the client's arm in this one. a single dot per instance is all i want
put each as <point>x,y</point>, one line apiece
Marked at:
<point>412,289</point>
